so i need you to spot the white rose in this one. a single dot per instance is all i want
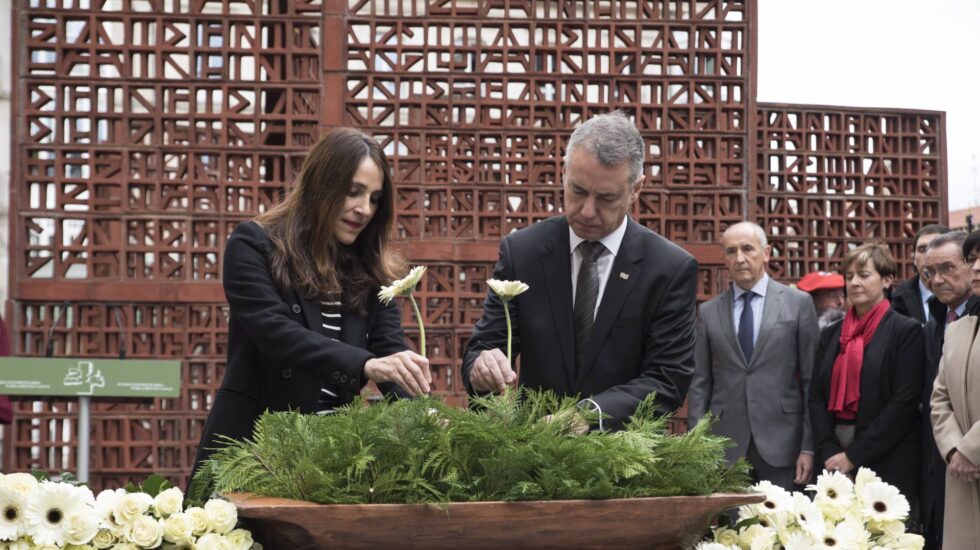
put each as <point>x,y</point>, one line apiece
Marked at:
<point>241,539</point>
<point>104,539</point>
<point>728,537</point>
<point>131,506</point>
<point>125,546</point>
<point>178,528</point>
<point>222,515</point>
<point>168,502</point>
<point>757,536</point>
<point>213,541</point>
<point>200,521</point>
<point>79,547</point>
<point>80,528</point>
<point>24,484</point>
<point>145,532</point>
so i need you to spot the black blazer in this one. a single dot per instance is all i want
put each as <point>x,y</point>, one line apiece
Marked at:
<point>643,337</point>
<point>278,355</point>
<point>907,300</point>
<point>886,435</point>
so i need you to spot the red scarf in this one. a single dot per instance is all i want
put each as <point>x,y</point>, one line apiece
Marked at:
<point>845,380</point>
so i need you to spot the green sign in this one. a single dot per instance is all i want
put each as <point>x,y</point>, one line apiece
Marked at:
<point>95,377</point>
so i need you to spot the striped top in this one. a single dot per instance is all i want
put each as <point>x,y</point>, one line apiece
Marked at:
<point>330,315</point>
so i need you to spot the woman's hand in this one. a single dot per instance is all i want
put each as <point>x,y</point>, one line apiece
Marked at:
<point>405,368</point>
<point>839,463</point>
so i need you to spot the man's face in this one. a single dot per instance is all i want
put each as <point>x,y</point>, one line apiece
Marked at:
<point>974,261</point>
<point>949,275</point>
<point>919,254</point>
<point>828,298</point>
<point>596,196</point>
<point>745,256</point>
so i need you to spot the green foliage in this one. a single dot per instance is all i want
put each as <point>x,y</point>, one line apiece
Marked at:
<point>423,451</point>
<point>153,485</point>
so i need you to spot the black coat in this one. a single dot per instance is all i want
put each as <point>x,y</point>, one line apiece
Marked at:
<point>907,300</point>
<point>643,337</point>
<point>276,361</point>
<point>886,428</point>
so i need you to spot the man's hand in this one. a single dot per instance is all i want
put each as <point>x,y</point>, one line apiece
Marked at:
<point>804,468</point>
<point>491,372</point>
<point>406,368</point>
<point>839,463</point>
<point>961,468</point>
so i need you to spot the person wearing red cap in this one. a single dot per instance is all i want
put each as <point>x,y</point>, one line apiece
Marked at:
<point>827,292</point>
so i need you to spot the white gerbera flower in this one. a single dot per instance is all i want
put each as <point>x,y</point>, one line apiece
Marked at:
<point>778,500</point>
<point>808,516</point>
<point>507,290</point>
<point>403,286</point>
<point>882,502</point>
<point>841,536</point>
<point>49,508</point>
<point>12,504</point>
<point>865,476</point>
<point>799,541</point>
<point>835,494</point>
<point>24,484</point>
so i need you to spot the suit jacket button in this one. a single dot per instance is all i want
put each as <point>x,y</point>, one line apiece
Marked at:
<point>297,309</point>
<point>287,373</point>
<point>353,383</point>
<point>343,378</point>
<point>336,375</point>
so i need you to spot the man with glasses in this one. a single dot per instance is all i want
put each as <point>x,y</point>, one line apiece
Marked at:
<point>911,298</point>
<point>948,275</point>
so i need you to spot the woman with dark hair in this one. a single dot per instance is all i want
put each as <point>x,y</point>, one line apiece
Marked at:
<point>867,379</point>
<point>956,417</point>
<point>306,330</point>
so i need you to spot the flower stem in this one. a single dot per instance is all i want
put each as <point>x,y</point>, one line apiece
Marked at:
<point>507,315</point>
<point>418,318</point>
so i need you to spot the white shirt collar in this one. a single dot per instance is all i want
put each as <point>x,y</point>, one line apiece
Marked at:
<point>923,289</point>
<point>759,288</point>
<point>610,241</point>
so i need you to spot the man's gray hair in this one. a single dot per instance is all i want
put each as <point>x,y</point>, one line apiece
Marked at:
<point>613,139</point>
<point>954,237</point>
<point>760,233</point>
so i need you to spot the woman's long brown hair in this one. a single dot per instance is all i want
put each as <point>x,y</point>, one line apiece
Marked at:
<point>306,254</point>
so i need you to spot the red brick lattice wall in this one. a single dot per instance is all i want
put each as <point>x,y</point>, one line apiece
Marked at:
<point>145,131</point>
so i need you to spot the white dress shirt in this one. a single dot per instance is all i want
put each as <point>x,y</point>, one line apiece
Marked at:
<point>603,264</point>
<point>757,304</point>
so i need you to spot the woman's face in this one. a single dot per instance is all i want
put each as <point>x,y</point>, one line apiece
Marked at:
<point>974,261</point>
<point>865,286</point>
<point>361,202</point>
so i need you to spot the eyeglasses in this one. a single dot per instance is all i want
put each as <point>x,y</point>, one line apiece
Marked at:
<point>946,269</point>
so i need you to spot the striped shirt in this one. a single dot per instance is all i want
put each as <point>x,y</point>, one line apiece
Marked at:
<point>330,315</point>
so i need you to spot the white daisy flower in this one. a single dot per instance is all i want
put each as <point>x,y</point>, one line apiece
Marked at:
<point>835,494</point>
<point>49,508</point>
<point>403,286</point>
<point>12,504</point>
<point>882,502</point>
<point>839,537</point>
<point>778,500</point>
<point>799,541</point>
<point>507,290</point>
<point>808,515</point>
<point>865,476</point>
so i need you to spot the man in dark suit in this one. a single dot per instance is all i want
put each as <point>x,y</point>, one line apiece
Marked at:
<point>911,297</point>
<point>609,315</point>
<point>949,276</point>
<point>756,343</point>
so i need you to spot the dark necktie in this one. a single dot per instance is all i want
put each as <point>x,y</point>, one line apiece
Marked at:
<point>746,326</point>
<point>586,293</point>
<point>951,316</point>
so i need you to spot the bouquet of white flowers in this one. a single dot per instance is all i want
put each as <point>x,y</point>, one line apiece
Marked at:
<point>865,514</point>
<point>36,512</point>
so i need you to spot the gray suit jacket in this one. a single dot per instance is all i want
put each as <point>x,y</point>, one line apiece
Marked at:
<point>764,400</point>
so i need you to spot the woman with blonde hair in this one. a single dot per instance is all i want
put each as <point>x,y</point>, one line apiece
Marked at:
<point>306,330</point>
